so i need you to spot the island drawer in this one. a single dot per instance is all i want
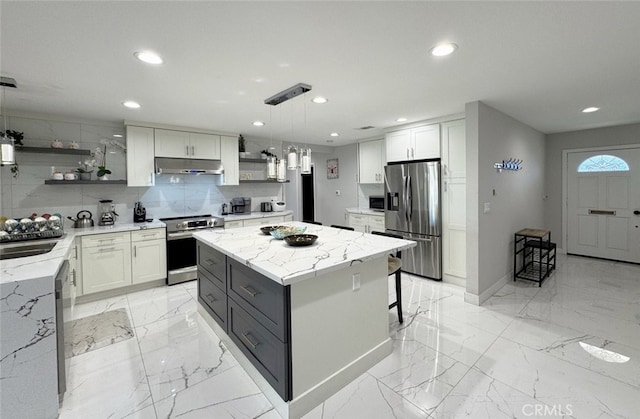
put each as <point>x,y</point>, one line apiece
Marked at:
<point>213,262</point>
<point>267,353</point>
<point>260,296</point>
<point>213,299</point>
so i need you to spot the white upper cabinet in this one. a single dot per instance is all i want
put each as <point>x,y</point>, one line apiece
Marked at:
<point>140,168</point>
<point>371,161</point>
<point>190,145</point>
<point>230,160</point>
<point>418,143</point>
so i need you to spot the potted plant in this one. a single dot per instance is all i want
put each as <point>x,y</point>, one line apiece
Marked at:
<point>101,155</point>
<point>17,137</point>
<point>84,172</point>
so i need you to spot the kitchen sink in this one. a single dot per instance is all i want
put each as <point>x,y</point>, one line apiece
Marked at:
<point>20,250</point>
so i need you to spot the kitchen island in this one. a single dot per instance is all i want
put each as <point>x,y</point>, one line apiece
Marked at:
<point>302,321</point>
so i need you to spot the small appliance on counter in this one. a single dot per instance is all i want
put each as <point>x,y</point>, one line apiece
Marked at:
<point>241,205</point>
<point>224,209</point>
<point>376,203</point>
<point>266,207</point>
<point>83,219</point>
<point>278,206</point>
<point>139,213</point>
<point>108,212</point>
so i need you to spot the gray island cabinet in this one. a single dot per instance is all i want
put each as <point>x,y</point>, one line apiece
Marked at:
<point>302,321</point>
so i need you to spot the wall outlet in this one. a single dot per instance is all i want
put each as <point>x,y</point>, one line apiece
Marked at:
<point>356,281</point>
<point>487,207</point>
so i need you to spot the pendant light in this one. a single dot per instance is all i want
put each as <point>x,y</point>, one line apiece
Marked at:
<point>7,146</point>
<point>305,152</point>
<point>272,169</point>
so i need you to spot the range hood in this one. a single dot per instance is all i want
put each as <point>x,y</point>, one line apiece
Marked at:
<point>188,166</point>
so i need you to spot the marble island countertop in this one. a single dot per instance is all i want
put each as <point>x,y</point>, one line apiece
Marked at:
<point>334,250</point>
<point>48,264</point>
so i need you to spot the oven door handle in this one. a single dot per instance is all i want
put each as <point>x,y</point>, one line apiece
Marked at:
<point>179,235</point>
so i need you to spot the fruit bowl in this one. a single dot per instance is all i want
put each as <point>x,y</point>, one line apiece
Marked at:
<point>266,230</point>
<point>301,239</point>
<point>284,231</point>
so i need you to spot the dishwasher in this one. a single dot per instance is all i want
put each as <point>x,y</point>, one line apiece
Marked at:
<point>61,286</point>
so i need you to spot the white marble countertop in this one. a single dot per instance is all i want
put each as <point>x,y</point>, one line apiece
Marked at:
<point>365,211</point>
<point>335,249</point>
<point>255,214</point>
<point>48,264</point>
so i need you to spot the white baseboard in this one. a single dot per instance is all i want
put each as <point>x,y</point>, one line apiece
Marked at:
<point>484,296</point>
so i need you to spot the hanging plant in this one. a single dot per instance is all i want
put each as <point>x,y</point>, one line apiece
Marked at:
<point>17,136</point>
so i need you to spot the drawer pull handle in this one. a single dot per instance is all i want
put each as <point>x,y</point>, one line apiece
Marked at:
<point>249,341</point>
<point>106,240</point>
<point>210,262</point>
<point>211,297</point>
<point>601,212</point>
<point>104,249</point>
<point>249,291</point>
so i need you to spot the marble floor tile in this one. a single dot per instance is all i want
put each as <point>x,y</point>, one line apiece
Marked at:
<point>108,382</point>
<point>419,374</point>
<point>180,352</point>
<point>479,396</point>
<point>230,394</point>
<point>456,339</point>
<point>366,397</point>
<point>606,357</point>
<point>159,304</point>
<point>555,382</point>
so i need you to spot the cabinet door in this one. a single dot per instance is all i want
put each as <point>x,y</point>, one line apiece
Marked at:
<point>230,160</point>
<point>370,161</point>
<point>140,151</point>
<point>453,150</point>
<point>398,145</point>
<point>170,143</point>
<point>149,260</point>
<point>106,267</point>
<point>204,146</point>
<point>359,222</point>
<point>376,223</point>
<point>425,142</point>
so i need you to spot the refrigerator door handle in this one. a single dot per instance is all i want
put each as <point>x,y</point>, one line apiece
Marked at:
<point>418,239</point>
<point>405,201</point>
<point>409,199</point>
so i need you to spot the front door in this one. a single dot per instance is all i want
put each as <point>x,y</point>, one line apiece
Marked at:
<point>603,208</point>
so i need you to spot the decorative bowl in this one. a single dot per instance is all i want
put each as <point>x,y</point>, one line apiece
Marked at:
<point>301,239</point>
<point>284,231</point>
<point>266,230</point>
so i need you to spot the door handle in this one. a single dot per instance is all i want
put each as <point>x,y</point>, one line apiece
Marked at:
<point>193,150</point>
<point>601,212</point>
<point>409,198</point>
<point>636,212</point>
<point>186,150</point>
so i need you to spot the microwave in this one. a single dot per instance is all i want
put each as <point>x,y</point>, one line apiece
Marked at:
<point>376,203</point>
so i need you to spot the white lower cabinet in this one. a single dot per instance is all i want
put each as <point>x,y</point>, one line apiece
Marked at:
<point>116,260</point>
<point>149,255</point>
<point>106,266</point>
<point>366,223</point>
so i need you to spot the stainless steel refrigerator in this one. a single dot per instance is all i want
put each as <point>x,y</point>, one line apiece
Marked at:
<point>412,210</point>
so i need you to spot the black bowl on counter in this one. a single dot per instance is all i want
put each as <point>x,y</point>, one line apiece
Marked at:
<point>266,230</point>
<point>301,239</point>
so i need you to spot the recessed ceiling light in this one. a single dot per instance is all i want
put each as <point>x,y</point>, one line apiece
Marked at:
<point>590,109</point>
<point>401,120</point>
<point>441,50</point>
<point>258,123</point>
<point>319,99</point>
<point>131,104</point>
<point>148,57</point>
<point>334,134</point>
<point>117,135</point>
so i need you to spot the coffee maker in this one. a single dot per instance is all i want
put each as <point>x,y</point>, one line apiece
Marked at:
<point>107,211</point>
<point>139,213</point>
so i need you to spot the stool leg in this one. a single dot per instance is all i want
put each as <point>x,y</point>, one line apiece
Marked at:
<point>399,296</point>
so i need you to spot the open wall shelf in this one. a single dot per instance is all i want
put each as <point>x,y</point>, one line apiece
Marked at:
<point>50,150</point>
<point>85,182</point>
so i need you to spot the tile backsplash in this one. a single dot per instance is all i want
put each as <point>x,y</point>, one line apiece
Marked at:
<point>172,196</point>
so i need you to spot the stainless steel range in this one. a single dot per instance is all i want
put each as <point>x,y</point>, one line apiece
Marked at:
<point>181,246</point>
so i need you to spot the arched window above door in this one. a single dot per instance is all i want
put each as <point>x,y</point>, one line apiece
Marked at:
<point>603,163</point>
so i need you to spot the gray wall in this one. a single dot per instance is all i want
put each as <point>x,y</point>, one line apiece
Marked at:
<point>330,208</point>
<point>556,143</point>
<point>493,136</point>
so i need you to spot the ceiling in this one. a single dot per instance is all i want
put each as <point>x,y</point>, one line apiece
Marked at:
<point>539,62</point>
